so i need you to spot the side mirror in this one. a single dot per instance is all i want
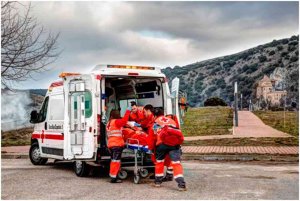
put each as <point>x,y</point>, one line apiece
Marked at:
<point>34,117</point>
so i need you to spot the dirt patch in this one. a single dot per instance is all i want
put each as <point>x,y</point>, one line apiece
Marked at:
<point>258,177</point>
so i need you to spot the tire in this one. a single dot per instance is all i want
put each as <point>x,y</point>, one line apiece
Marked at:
<point>136,179</point>
<point>144,173</point>
<point>123,174</point>
<point>81,168</point>
<point>35,155</point>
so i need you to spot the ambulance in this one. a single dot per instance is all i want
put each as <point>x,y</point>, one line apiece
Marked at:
<point>71,124</point>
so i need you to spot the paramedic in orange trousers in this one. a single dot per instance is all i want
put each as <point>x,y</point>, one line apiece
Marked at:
<point>115,141</point>
<point>162,150</point>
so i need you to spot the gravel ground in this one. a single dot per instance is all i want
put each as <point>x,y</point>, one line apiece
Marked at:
<point>205,180</point>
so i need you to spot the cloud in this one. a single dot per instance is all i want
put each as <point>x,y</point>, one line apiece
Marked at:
<point>158,33</point>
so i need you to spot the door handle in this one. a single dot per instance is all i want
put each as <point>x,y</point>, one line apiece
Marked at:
<point>45,125</point>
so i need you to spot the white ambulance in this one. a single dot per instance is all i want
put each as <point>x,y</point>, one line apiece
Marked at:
<point>71,122</point>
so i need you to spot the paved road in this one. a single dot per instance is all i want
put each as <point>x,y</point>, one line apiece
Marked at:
<point>21,180</point>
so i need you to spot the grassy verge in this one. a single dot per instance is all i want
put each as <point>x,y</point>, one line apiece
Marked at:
<point>208,121</point>
<point>16,137</point>
<point>275,119</point>
<point>245,142</point>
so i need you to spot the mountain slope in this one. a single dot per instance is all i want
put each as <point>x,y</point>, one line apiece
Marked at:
<point>215,77</point>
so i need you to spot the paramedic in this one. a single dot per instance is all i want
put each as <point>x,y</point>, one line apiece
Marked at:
<point>162,150</point>
<point>137,115</point>
<point>115,141</point>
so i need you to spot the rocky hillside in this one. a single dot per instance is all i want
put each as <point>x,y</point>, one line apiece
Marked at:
<point>215,77</point>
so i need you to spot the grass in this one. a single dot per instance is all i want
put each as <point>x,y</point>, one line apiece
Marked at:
<point>16,137</point>
<point>208,121</point>
<point>291,141</point>
<point>275,119</point>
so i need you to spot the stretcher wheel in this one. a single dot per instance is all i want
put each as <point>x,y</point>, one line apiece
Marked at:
<point>144,173</point>
<point>122,174</point>
<point>136,179</point>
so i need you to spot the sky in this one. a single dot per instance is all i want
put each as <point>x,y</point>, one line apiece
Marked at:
<point>161,34</point>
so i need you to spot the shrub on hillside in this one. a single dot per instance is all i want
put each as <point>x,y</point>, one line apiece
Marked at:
<point>279,48</point>
<point>272,53</point>
<point>262,58</point>
<point>284,54</point>
<point>214,101</point>
<point>294,58</point>
<point>291,48</point>
<point>285,41</point>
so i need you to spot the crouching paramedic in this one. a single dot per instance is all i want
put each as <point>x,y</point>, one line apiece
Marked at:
<point>115,141</point>
<point>168,141</point>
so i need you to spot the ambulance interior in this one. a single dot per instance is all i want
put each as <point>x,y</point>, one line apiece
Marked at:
<point>119,92</point>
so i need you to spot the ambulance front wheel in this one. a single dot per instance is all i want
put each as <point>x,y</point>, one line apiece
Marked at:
<point>35,155</point>
<point>81,168</point>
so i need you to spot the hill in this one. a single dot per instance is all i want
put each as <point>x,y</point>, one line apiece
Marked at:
<point>215,77</point>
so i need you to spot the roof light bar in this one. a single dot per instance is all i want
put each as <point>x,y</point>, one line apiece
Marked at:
<point>131,67</point>
<point>64,74</point>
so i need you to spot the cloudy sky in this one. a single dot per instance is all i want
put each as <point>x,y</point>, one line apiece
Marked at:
<point>157,33</point>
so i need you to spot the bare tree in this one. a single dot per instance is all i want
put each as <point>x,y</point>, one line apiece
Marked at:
<point>25,46</point>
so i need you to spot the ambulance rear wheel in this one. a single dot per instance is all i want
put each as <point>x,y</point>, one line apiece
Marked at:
<point>35,155</point>
<point>81,168</point>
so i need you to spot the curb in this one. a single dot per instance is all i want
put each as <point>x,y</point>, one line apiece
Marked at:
<point>241,157</point>
<point>205,157</point>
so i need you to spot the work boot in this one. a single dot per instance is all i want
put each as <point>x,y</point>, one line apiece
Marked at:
<point>168,177</point>
<point>182,187</point>
<point>115,180</point>
<point>157,185</point>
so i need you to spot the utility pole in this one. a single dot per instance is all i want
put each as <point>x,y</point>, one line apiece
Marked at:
<point>236,104</point>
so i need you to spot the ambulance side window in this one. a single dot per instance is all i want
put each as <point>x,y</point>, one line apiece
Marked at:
<point>43,111</point>
<point>56,109</point>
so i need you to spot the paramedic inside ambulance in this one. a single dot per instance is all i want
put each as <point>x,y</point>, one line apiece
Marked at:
<point>138,116</point>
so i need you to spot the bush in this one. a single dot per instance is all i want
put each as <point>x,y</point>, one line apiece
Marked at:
<point>262,58</point>
<point>214,101</point>
<point>279,48</point>
<point>295,38</point>
<point>291,48</point>
<point>294,58</point>
<point>272,53</point>
<point>284,54</point>
<point>285,41</point>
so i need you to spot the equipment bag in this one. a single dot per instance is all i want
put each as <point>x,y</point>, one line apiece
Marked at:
<point>171,136</point>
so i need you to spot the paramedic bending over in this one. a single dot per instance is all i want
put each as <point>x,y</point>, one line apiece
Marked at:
<point>116,141</point>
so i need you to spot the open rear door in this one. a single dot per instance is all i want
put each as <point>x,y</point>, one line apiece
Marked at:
<point>80,117</point>
<point>174,96</point>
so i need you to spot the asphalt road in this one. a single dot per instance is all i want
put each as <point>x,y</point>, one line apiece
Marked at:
<point>21,180</point>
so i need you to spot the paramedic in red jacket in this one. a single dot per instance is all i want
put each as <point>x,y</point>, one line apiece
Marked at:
<point>138,116</point>
<point>162,150</point>
<point>115,141</point>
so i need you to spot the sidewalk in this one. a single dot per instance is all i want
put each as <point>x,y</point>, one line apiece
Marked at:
<point>249,125</point>
<point>284,150</point>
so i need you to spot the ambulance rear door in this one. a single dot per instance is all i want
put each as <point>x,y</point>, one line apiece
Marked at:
<point>173,98</point>
<point>80,117</point>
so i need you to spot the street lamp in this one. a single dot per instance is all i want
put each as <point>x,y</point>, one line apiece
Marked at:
<point>236,103</point>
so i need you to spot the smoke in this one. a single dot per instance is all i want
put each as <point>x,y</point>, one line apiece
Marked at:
<point>15,109</point>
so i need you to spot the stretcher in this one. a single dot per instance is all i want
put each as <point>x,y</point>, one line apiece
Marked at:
<point>142,161</point>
